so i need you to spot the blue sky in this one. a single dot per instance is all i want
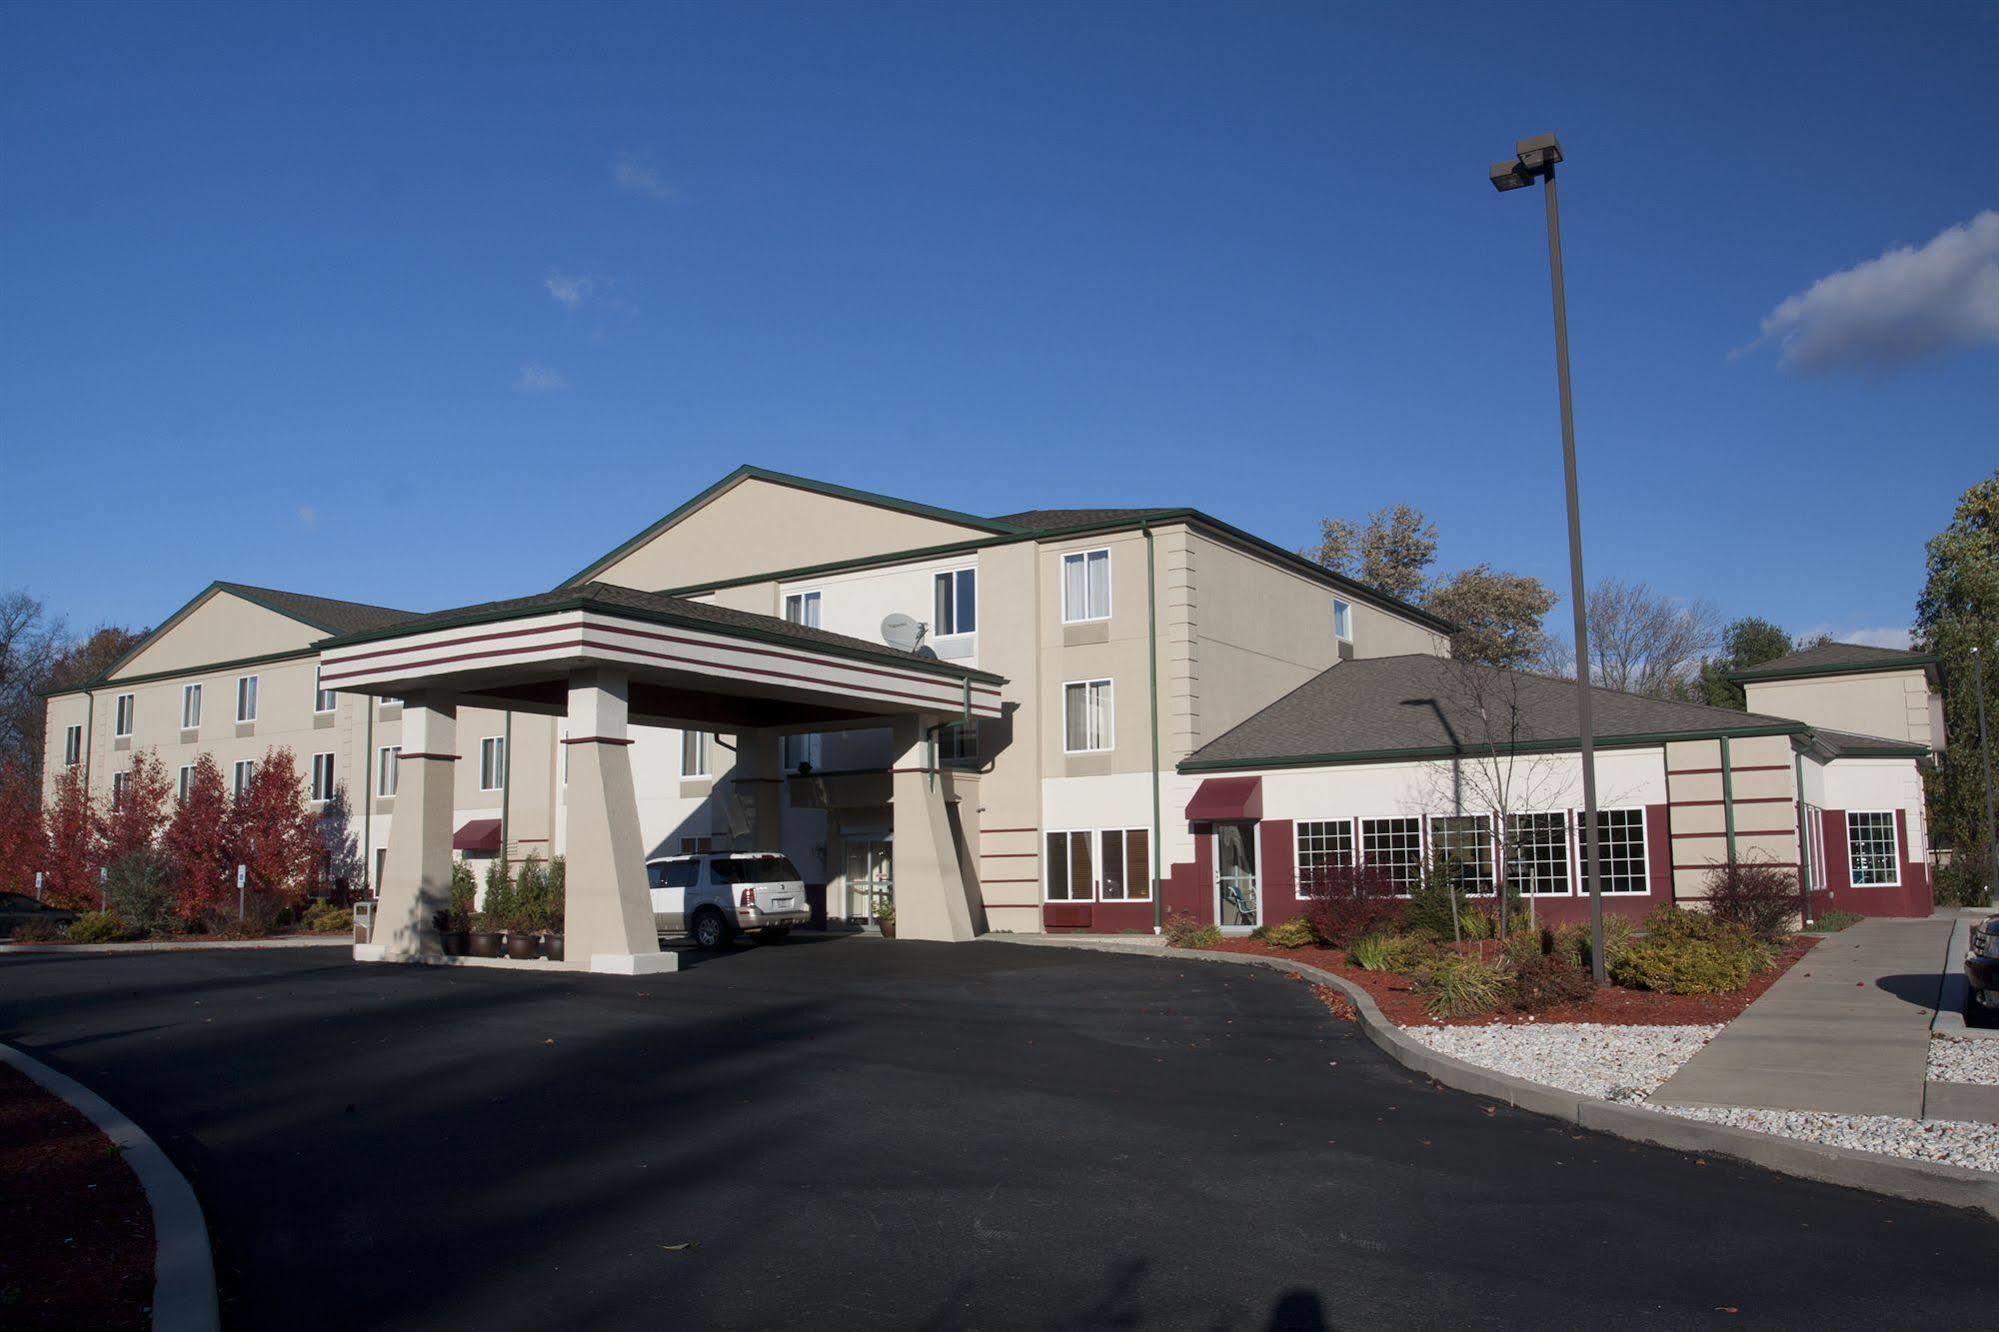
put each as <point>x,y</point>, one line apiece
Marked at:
<point>426,305</point>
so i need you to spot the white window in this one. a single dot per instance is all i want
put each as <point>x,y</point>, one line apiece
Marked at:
<point>245,769</point>
<point>1321,844</point>
<point>956,609</point>
<point>1342,621</point>
<point>1537,854</point>
<point>958,743</point>
<point>322,777</point>
<point>1086,586</point>
<point>190,707</point>
<point>492,763</point>
<point>696,846</point>
<point>121,783</point>
<point>72,746</point>
<point>1086,716</point>
<point>1395,847</point>
<point>799,750</point>
<point>802,608</point>
<point>322,697</point>
<point>127,705</point>
<point>246,698</point>
<point>184,782</point>
<point>1872,859</point>
<point>1071,872</point>
<point>388,769</point>
<point>694,754</point>
<point>1125,854</point>
<point>1465,842</point>
<point>1620,849</point>
<point>1815,846</point>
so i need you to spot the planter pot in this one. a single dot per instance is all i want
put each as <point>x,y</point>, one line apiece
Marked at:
<point>551,947</point>
<point>456,942</point>
<point>887,928</point>
<point>485,943</point>
<point>522,946</point>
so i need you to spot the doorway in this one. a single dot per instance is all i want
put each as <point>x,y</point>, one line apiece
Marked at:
<point>1237,902</point>
<point>870,879</point>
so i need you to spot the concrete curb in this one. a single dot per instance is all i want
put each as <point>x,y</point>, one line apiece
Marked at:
<point>180,945</point>
<point>1954,1186</point>
<point>183,1267</point>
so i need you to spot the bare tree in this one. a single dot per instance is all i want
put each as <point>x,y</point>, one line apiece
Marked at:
<point>31,642</point>
<point>1391,551</point>
<point>1643,642</point>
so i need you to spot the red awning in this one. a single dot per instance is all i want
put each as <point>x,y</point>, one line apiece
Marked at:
<point>477,835</point>
<point>1226,800</point>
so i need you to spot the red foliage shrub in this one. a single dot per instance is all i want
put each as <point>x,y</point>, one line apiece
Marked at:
<point>24,846</point>
<point>75,844</point>
<point>135,818</point>
<point>1762,899</point>
<point>1544,980</point>
<point>1347,902</point>
<point>196,843</point>
<point>273,831</point>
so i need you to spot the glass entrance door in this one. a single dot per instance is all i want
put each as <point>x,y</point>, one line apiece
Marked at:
<point>870,879</point>
<point>1235,875</point>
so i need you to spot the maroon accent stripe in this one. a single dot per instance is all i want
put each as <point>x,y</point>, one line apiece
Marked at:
<point>1016,881</point>
<point>1716,864</point>
<point>1739,800</point>
<point>1008,855</point>
<point>911,677</point>
<point>444,758</point>
<point>1735,767</point>
<point>595,740</point>
<point>1007,830</point>
<point>1743,832</point>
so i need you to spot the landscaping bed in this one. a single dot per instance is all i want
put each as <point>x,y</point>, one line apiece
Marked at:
<point>76,1231</point>
<point>1399,1002</point>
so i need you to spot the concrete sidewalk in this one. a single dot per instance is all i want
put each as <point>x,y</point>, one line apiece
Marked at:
<point>1846,1030</point>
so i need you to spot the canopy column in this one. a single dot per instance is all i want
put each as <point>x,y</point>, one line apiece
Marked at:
<point>607,907</point>
<point>934,888</point>
<point>755,815</point>
<point>416,877</point>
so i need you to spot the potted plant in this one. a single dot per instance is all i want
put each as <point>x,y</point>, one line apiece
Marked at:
<point>558,888</point>
<point>454,923</point>
<point>488,938</point>
<point>529,910</point>
<point>885,917</point>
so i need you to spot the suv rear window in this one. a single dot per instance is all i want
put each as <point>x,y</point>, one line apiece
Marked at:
<point>754,869</point>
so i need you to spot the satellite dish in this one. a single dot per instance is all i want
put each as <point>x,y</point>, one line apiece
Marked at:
<point>900,631</point>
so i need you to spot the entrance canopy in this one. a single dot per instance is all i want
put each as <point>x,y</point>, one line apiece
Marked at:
<point>690,663</point>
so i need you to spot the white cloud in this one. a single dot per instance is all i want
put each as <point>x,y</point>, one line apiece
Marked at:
<point>308,517</point>
<point>540,379</point>
<point>639,176</point>
<point>1888,312</point>
<point>569,290</point>
<point>1883,637</point>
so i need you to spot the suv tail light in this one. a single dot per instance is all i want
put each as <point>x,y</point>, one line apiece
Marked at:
<point>749,898</point>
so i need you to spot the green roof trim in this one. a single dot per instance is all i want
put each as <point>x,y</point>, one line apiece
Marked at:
<point>1914,661</point>
<point>748,472</point>
<point>1635,740</point>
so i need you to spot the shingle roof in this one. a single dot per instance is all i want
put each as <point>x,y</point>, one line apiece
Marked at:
<point>1422,705</point>
<point>1048,520</point>
<point>1835,659</point>
<point>1849,744</point>
<point>614,599</point>
<point>335,617</point>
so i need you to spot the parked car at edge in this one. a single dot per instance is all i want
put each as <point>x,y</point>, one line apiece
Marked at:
<point>21,909</point>
<point>714,897</point>
<point>1981,968</point>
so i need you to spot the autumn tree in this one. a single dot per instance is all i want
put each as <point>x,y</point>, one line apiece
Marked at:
<point>1747,642</point>
<point>134,820</point>
<point>272,829</point>
<point>1392,551</point>
<point>75,844</point>
<point>1959,609</point>
<point>37,655</point>
<point>23,841</point>
<point>341,868</point>
<point>196,843</point>
<point>1498,615</point>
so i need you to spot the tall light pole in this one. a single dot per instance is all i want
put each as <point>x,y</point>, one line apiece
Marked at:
<point>1985,769</point>
<point>1536,159</point>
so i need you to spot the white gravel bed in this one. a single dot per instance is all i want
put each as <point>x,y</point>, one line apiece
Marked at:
<point>1975,1146</point>
<point>1964,1059</point>
<point>1611,1063</point>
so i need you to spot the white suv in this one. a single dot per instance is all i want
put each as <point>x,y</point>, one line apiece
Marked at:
<point>714,896</point>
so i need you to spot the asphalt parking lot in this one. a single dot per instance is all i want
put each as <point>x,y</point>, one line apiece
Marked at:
<point>851,1131</point>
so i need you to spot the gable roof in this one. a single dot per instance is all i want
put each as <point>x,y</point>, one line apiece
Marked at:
<point>1419,706</point>
<point>747,472</point>
<point>1848,744</point>
<point>1835,659</point>
<point>1055,520</point>
<point>658,607</point>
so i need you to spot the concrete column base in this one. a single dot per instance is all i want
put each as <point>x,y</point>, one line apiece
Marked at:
<point>634,964</point>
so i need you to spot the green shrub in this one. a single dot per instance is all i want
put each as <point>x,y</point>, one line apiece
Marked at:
<point>558,892</point>
<point>1760,898</point>
<point>496,911</point>
<point>1684,967</point>
<point>99,927</point>
<point>1464,985</point>
<point>1573,941</point>
<point>140,890</point>
<point>464,892</point>
<point>1183,931</point>
<point>533,906</point>
<point>1291,934</point>
<point>1545,980</point>
<point>1961,881</point>
<point>325,918</point>
<point>1832,922</point>
<point>36,931</point>
<point>1401,953</point>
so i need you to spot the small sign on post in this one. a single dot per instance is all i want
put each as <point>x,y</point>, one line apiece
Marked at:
<point>38,885</point>
<point>242,878</point>
<point>103,887</point>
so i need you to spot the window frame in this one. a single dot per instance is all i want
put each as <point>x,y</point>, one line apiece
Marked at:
<point>1342,616</point>
<point>1109,599</point>
<point>183,782</point>
<point>1422,845</point>
<point>1894,847</point>
<point>125,716</point>
<point>1571,855</point>
<point>241,775</point>
<point>121,784</point>
<point>190,706</point>
<point>72,744</point>
<point>1109,736</point>
<point>1100,880</point>
<point>945,582</point>
<point>703,754</point>
<point>1491,866</point>
<point>814,598</point>
<point>1301,869</point>
<point>1089,836</point>
<point>952,749</point>
<point>246,696</point>
<point>492,763</point>
<point>388,771</point>
<point>319,792</point>
<point>1644,851</point>
<point>1814,826</point>
<point>322,695</point>
<point>795,751</point>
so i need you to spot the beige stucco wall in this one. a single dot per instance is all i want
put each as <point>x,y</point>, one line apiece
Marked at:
<point>1896,705</point>
<point>757,526</point>
<point>1762,790</point>
<point>223,627</point>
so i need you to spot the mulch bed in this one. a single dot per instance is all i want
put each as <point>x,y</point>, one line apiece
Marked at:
<point>76,1232</point>
<point>1399,1003</point>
